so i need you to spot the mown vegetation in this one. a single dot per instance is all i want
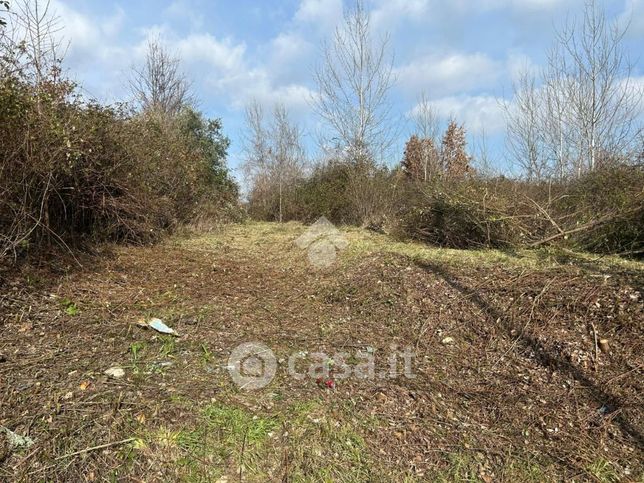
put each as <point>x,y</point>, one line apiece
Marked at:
<point>520,394</point>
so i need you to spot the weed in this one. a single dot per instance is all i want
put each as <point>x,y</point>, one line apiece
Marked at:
<point>70,307</point>
<point>168,346</point>
<point>604,471</point>
<point>206,355</point>
<point>135,349</point>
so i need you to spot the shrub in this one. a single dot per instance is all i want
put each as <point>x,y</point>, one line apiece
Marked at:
<point>611,200</point>
<point>457,215</point>
<point>603,211</point>
<point>347,193</point>
<point>74,171</point>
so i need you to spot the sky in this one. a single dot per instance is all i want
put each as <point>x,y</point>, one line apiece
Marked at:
<point>464,54</point>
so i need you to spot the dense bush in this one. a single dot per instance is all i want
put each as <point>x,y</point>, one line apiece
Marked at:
<point>457,215</point>
<point>610,203</point>
<point>602,211</point>
<point>345,193</point>
<point>73,171</point>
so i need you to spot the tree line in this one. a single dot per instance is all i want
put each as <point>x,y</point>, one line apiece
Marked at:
<point>74,170</point>
<point>575,123</point>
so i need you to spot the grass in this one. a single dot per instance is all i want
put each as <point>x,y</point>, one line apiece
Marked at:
<point>70,307</point>
<point>168,346</point>
<point>255,237</point>
<point>251,282</point>
<point>362,242</point>
<point>135,349</point>
<point>604,471</point>
<point>227,440</point>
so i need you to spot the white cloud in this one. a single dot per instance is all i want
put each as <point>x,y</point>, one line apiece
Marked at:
<point>289,48</point>
<point>516,5</point>
<point>223,55</point>
<point>519,64</point>
<point>323,14</point>
<point>633,17</point>
<point>182,9</point>
<point>258,84</point>
<point>389,13</point>
<point>444,75</point>
<point>87,38</point>
<point>480,114</point>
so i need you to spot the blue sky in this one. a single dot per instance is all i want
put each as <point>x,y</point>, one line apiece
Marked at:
<point>463,53</point>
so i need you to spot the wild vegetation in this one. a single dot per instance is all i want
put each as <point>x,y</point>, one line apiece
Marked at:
<point>576,136</point>
<point>74,171</point>
<point>519,297</point>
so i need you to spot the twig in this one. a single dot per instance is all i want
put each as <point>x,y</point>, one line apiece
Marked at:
<point>596,346</point>
<point>546,214</point>
<point>613,379</point>
<point>94,448</point>
<point>241,456</point>
<point>593,224</point>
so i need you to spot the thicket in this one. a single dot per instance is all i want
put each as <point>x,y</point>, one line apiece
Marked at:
<point>74,171</point>
<point>601,211</point>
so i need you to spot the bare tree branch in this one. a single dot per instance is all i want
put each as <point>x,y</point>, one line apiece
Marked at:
<point>159,85</point>
<point>353,82</point>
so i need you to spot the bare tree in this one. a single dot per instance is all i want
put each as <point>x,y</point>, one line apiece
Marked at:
<point>426,125</point>
<point>274,155</point>
<point>4,7</point>
<point>483,162</point>
<point>426,119</point>
<point>159,85</point>
<point>602,101</point>
<point>585,109</point>
<point>353,84</point>
<point>256,162</point>
<point>556,125</point>
<point>525,129</point>
<point>256,148</point>
<point>287,154</point>
<point>33,44</point>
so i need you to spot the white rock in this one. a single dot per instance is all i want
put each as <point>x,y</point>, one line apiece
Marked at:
<point>115,372</point>
<point>447,340</point>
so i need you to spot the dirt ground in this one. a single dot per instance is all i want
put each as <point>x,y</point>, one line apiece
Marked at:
<point>510,382</point>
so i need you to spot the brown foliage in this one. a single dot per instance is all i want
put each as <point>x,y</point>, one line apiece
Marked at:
<point>456,161</point>
<point>601,212</point>
<point>421,160</point>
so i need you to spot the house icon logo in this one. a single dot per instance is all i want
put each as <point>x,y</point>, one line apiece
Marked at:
<point>322,240</point>
<point>252,365</point>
